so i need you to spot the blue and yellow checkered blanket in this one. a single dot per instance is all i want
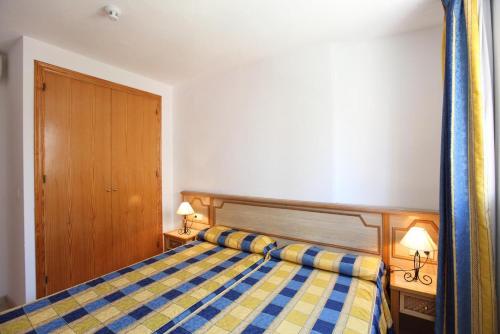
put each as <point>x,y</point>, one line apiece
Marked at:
<point>221,286</point>
<point>151,295</point>
<point>300,289</point>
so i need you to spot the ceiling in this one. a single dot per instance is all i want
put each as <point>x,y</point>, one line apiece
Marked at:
<point>175,40</point>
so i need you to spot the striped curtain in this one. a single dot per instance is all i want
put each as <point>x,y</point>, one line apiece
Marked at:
<point>466,297</point>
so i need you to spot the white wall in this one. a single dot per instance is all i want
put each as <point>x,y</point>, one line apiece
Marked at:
<point>4,193</point>
<point>387,123</point>
<point>351,123</point>
<point>35,50</point>
<point>13,165</point>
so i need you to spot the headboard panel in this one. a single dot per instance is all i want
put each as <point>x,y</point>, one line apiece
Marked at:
<point>355,229</point>
<point>361,232</point>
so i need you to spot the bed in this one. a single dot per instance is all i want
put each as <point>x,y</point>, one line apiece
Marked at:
<point>299,289</point>
<point>236,279</point>
<point>153,294</point>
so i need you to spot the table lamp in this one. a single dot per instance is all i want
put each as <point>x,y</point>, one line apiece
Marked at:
<point>185,209</point>
<point>419,240</point>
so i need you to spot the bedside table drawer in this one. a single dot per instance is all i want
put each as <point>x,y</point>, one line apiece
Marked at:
<point>417,306</point>
<point>173,243</point>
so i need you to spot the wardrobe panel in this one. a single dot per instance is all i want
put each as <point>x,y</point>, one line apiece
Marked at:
<point>151,151</point>
<point>123,229</point>
<point>81,182</point>
<point>103,228</point>
<point>135,199</point>
<point>56,211</point>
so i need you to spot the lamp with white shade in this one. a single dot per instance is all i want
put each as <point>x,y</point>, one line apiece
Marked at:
<point>185,210</point>
<point>419,240</point>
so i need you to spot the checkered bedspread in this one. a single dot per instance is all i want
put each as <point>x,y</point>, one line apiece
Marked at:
<point>286,297</point>
<point>151,295</point>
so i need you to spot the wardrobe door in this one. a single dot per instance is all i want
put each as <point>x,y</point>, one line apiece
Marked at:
<point>56,187</point>
<point>76,171</point>
<point>136,199</point>
<point>103,227</point>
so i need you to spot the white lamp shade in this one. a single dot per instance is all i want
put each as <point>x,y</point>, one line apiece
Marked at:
<point>185,209</point>
<point>417,238</point>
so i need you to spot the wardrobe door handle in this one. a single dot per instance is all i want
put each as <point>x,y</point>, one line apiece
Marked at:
<point>108,189</point>
<point>115,189</point>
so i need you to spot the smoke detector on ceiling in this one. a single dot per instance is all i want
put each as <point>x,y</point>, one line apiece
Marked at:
<point>113,12</point>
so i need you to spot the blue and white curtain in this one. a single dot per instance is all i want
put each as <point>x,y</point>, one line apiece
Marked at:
<point>466,300</point>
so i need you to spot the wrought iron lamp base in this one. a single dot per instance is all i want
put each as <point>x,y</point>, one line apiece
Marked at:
<point>185,229</point>
<point>413,275</point>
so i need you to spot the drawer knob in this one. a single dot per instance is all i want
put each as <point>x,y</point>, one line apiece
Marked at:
<point>426,308</point>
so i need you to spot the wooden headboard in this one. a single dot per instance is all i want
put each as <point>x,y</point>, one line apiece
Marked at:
<point>356,229</point>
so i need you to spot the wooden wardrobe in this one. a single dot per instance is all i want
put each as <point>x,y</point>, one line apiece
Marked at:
<point>97,177</point>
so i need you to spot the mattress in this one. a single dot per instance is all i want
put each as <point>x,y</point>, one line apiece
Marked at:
<point>154,294</point>
<point>296,296</point>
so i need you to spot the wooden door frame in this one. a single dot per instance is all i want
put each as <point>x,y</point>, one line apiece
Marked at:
<point>39,126</point>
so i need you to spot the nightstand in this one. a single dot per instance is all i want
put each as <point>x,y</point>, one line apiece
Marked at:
<point>411,298</point>
<point>173,239</point>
